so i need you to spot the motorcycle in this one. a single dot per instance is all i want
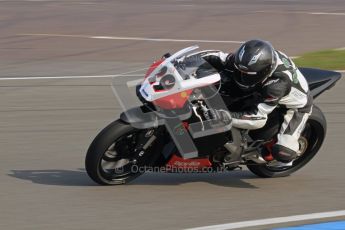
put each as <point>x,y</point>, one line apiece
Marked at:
<point>182,125</point>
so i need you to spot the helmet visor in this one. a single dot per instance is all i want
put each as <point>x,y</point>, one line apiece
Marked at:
<point>248,79</point>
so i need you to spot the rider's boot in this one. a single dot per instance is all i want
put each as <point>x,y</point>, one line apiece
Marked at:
<point>283,157</point>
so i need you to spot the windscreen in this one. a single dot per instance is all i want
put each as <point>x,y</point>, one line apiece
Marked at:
<point>195,66</point>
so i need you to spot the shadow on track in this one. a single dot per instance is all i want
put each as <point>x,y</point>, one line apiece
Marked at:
<point>79,178</point>
<point>225,179</point>
<point>54,177</point>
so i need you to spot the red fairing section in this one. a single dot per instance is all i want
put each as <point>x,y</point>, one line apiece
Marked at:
<point>174,101</point>
<point>153,67</point>
<point>180,163</point>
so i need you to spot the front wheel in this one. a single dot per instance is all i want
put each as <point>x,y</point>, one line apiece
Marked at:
<point>311,140</point>
<point>119,152</point>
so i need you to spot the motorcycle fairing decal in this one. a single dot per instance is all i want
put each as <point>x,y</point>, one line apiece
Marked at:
<point>170,102</point>
<point>180,163</point>
<point>181,86</point>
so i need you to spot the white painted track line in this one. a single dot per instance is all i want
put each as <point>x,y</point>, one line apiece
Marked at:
<point>126,74</point>
<point>69,77</point>
<point>93,76</point>
<point>326,13</point>
<point>303,12</point>
<point>278,220</point>
<point>132,38</point>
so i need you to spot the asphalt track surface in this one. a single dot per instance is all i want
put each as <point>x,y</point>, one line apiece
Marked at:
<point>46,125</point>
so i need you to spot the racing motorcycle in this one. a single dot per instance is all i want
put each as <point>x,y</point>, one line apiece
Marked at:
<point>182,124</point>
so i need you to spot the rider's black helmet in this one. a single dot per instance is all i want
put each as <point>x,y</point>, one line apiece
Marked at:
<point>255,60</point>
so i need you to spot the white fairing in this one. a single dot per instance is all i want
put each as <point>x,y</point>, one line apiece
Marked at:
<point>182,83</point>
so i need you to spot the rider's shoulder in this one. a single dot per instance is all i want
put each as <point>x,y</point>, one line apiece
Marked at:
<point>277,85</point>
<point>284,62</point>
<point>281,55</point>
<point>277,79</point>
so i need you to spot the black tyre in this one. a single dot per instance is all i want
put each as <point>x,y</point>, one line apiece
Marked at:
<point>314,135</point>
<point>116,151</point>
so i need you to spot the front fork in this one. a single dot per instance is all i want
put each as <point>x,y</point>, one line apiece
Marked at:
<point>147,139</point>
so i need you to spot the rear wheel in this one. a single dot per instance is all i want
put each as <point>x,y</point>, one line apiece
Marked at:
<point>310,143</point>
<point>116,156</point>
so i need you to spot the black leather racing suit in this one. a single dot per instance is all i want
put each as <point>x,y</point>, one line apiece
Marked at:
<point>286,87</point>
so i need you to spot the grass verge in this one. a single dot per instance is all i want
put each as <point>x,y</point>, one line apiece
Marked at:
<point>325,59</point>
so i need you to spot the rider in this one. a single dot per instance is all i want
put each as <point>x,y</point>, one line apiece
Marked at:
<point>257,67</point>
